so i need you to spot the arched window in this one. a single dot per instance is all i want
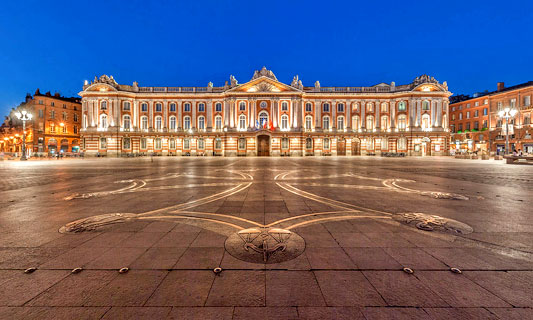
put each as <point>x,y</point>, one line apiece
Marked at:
<point>370,122</point>
<point>242,122</point>
<point>308,122</point>
<point>326,107</point>
<point>187,123</point>
<point>218,122</point>
<point>384,107</point>
<point>158,123</point>
<point>126,122</point>
<point>308,143</point>
<point>158,143</point>
<point>384,122</point>
<point>284,122</point>
<point>187,107</point>
<point>158,107</point>
<point>242,144</point>
<point>186,144</point>
<point>369,107</point>
<point>356,123</point>
<point>172,143</point>
<point>308,107</point>
<point>201,123</point>
<point>340,123</point>
<point>172,107</point>
<point>172,123</point>
<point>425,105</point>
<point>201,144</point>
<point>284,106</point>
<point>425,122</point>
<point>325,123</point>
<point>218,144</point>
<point>127,106</point>
<point>103,121</point>
<point>242,106</point>
<point>103,143</point>
<point>144,107</point>
<point>401,106</point>
<point>402,122</point>
<point>218,107</point>
<point>143,144</point>
<point>201,107</point>
<point>103,105</point>
<point>263,118</point>
<point>144,123</point>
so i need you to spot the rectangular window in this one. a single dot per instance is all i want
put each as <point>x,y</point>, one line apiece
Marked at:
<point>75,117</point>
<point>527,100</point>
<point>308,107</point>
<point>126,143</point>
<point>476,125</point>
<point>513,103</point>
<point>476,103</point>
<point>201,107</point>
<point>486,101</point>
<point>75,129</point>
<point>144,107</point>
<point>127,106</point>
<point>41,102</point>
<point>460,127</point>
<point>468,105</point>
<point>41,113</point>
<point>52,114</point>
<point>242,143</point>
<point>468,114</point>
<point>64,129</point>
<point>485,124</point>
<point>172,107</point>
<point>103,143</point>
<point>340,107</point>
<point>143,143</point>
<point>284,143</point>
<point>218,107</point>
<point>64,116</point>
<point>186,144</point>
<point>201,144</point>
<point>476,113</point>
<point>52,128</point>
<point>187,107</point>
<point>468,126</point>
<point>52,104</point>
<point>326,143</point>
<point>485,111</point>
<point>326,107</point>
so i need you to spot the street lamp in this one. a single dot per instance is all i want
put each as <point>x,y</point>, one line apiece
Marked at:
<point>507,113</point>
<point>24,116</point>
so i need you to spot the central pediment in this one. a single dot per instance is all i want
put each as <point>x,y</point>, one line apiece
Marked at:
<point>263,84</point>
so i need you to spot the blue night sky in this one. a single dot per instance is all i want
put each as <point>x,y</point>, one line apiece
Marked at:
<point>55,46</point>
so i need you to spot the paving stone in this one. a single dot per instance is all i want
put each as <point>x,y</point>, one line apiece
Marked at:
<point>328,258</point>
<point>238,288</point>
<point>158,258</point>
<point>326,313</point>
<point>515,287</point>
<point>266,313</point>
<point>513,313</point>
<point>395,313</point>
<point>132,313</point>
<point>400,289</point>
<point>415,258</point>
<point>18,287</point>
<point>292,288</point>
<point>201,313</point>
<point>183,288</point>
<point>347,288</point>
<point>74,258</point>
<point>200,258</point>
<point>129,289</point>
<point>116,258</point>
<point>176,239</point>
<point>460,313</point>
<point>56,313</point>
<point>458,291</point>
<point>372,258</point>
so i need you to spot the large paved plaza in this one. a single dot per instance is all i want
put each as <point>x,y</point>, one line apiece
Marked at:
<point>295,238</point>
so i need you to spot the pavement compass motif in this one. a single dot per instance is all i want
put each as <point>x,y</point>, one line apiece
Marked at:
<point>256,242</point>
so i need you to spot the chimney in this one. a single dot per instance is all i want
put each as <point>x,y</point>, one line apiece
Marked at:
<point>501,86</point>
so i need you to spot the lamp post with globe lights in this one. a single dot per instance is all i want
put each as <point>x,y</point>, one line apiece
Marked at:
<point>24,116</point>
<point>506,114</point>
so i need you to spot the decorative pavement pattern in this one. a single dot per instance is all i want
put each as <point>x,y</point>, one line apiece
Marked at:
<point>306,238</point>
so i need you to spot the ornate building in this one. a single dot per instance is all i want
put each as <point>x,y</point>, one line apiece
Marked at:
<point>55,126</point>
<point>265,117</point>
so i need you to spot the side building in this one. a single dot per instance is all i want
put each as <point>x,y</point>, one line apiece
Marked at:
<point>265,117</point>
<point>476,126</point>
<point>55,125</point>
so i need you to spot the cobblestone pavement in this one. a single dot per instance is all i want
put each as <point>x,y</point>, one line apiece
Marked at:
<point>295,238</point>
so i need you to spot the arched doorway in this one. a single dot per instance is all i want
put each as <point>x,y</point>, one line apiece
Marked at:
<point>356,147</point>
<point>52,145</point>
<point>263,146</point>
<point>426,146</point>
<point>341,147</point>
<point>64,145</point>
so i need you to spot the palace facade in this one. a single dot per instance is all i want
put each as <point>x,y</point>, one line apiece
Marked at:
<point>265,117</point>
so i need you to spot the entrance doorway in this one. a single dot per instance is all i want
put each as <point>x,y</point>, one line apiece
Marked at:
<point>341,147</point>
<point>263,146</point>
<point>356,147</point>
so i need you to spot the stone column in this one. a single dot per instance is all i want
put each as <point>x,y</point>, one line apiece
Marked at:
<point>318,112</point>
<point>209,113</point>
<point>276,112</point>
<point>439,114</point>
<point>89,107</point>
<point>334,114</point>
<point>165,114</point>
<point>378,115</point>
<point>363,118</point>
<point>151,114</point>
<point>418,112</point>
<point>433,113</point>
<point>232,113</point>
<point>179,105</point>
<point>226,112</point>
<point>392,114</point>
<point>194,106</point>
<point>348,109</point>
